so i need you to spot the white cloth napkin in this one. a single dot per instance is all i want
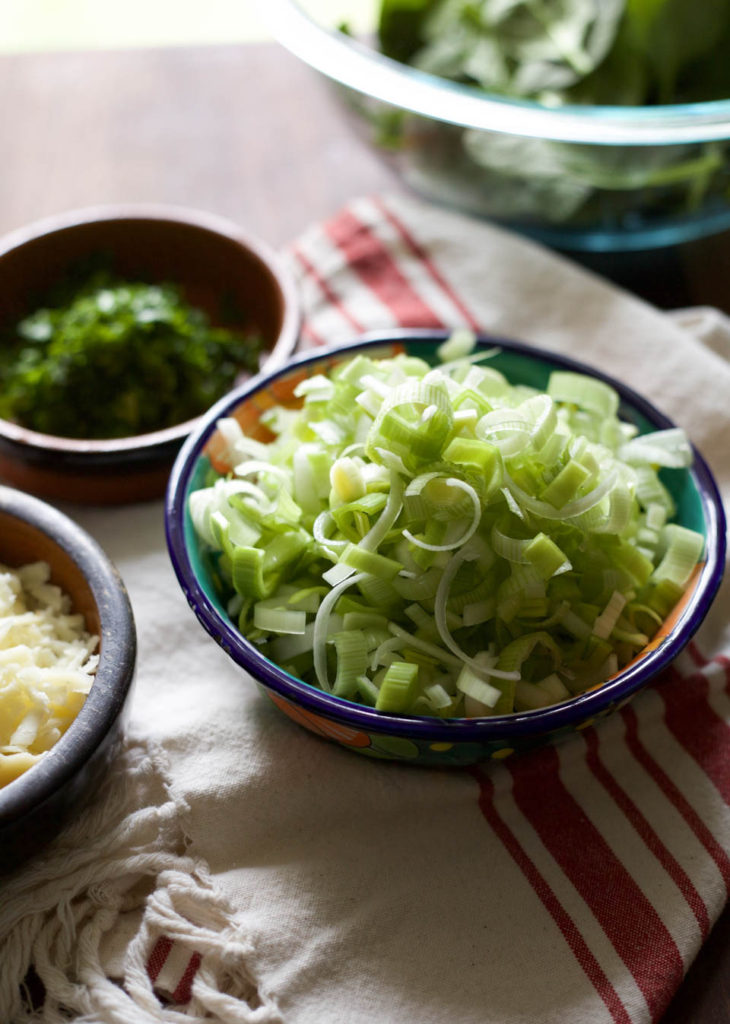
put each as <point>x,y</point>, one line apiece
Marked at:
<point>237,868</point>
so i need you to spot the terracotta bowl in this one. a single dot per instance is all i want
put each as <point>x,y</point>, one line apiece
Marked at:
<point>34,806</point>
<point>419,739</point>
<point>219,268</point>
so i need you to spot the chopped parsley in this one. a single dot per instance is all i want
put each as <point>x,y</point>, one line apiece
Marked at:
<point>118,358</point>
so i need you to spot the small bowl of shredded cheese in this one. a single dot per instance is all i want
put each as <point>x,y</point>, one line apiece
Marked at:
<point>67,658</point>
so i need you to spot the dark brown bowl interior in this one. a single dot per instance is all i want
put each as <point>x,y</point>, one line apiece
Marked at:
<point>235,278</point>
<point>34,806</point>
<point>22,542</point>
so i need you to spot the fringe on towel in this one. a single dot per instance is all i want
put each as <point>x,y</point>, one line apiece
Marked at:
<point>85,920</point>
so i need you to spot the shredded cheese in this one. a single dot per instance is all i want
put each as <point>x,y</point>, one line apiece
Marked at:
<point>47,666</point>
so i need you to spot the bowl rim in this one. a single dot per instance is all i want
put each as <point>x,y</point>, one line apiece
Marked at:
<point>353,64</point>
<point>115,672</point>
<point>137,448</point>
<point>477,730</point>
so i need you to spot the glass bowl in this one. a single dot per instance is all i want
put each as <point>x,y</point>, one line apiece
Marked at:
<point>416,739</point>
<point>583,178</point>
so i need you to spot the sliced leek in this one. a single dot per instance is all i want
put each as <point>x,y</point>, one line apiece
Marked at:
<point>434,540</point>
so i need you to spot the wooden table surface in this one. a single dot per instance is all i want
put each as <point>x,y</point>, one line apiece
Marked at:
<point>250,133</point>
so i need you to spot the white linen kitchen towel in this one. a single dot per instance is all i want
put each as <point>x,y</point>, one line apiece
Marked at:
<point>254,872</point>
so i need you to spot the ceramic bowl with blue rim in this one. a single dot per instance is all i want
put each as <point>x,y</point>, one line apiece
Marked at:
<point>427,740</point>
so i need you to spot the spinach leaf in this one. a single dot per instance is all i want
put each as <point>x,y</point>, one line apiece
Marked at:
<point>518,47</point>
<point>669,35</point>
<point>400,27</point>
<point>631,52</point>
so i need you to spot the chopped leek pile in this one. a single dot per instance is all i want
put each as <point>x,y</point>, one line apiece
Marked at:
<point>437,541</point>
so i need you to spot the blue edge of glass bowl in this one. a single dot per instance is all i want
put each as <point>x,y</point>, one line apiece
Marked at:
<point>703,501</point>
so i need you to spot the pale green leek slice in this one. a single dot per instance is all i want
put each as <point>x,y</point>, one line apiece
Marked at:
<point>585,392</point>
<point>398,687</point>
<point>279,620</point>
<point>352,661</point>
<point>683,551</point>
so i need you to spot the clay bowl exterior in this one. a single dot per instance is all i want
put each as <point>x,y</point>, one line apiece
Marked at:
<point>423,740</point>
<point>219,268</point>
<point>34,806</point>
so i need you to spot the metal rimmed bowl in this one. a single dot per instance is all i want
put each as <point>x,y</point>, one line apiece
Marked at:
<point>218,266</point>
<point>425,740</point>
<point>35,805</point>
<point>577,177</point>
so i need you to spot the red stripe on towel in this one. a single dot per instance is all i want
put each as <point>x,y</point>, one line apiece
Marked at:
<point>700,730</point>
<point>674,795</point>
<point>422,255</point>
<point>624,802</point>
<point>552,904</point>
<point>639,936</point>
<point>184,989</point>
<point>158,956</point>
<point>374,264</point>
<point>700,661</point>
<point>696,654</point>
<point>725,662</point>
<point>331,297</point>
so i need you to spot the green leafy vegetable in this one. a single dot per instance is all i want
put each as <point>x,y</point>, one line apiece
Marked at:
<point>400,26</point>
<point>673,39</point>
<point>558,52</point>
<point>439,541</point>
<point>118,358</point>
<point>544,49</point>
<point>519,47</point>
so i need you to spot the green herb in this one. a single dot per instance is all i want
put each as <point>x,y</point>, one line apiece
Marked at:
<point>118,358</point>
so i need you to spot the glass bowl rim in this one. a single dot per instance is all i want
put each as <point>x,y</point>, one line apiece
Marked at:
<point>357,66</point>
